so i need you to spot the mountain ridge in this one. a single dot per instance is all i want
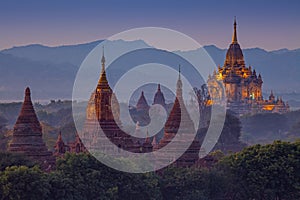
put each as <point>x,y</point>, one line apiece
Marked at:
<point>280,68</point>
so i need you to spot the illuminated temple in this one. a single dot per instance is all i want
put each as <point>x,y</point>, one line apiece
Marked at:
<point>243,87</point>
<point>102,116</point>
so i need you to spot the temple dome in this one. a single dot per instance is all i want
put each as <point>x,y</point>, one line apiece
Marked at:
<point>234,55</point>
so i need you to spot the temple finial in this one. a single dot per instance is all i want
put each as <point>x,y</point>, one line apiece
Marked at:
<point>179,70</point>
<point>179,84</point>
<point>103,60</point>
<point>103,79</point>
<point>234,36</point>
<point>27,94</point>
<point>59,136</point>
<point>27,91</point>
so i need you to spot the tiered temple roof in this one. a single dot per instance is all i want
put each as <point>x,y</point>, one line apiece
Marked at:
<point>142,104</point>
<point>27,135</point>
<point>179,122</point>
<point>159,97</point>
<point>103,112</point>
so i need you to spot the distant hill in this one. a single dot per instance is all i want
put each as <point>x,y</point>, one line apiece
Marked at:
<point>51,71</point>
<point>47,80</point>
<point>73,54</point>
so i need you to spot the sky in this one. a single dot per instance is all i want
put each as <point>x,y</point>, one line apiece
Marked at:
<point>266,24</point>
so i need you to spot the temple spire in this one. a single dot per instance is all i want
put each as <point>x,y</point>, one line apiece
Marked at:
<point>179,84</point>
<point>103,61</point>
<point>179,72</point>
<point>234,36</point>
<point>103,80</point>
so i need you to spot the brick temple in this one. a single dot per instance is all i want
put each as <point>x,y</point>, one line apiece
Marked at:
<point>27,136</point>
<point>103,112</point>
<point>179,124</point>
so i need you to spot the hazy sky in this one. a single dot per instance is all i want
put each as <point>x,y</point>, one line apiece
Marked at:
<point>266,24</point>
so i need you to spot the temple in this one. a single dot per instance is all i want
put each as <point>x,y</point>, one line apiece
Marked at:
<point>103,110</point>
<point>61,147</point>
<point>140,114</point>
<point>27,136</point>
<point>243,87</point>
<point>179,122</point>
<point>159,97</point>
<point>142,104</point>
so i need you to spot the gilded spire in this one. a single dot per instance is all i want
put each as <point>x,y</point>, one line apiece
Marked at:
<point>234,36</point>
<point>103,80</point>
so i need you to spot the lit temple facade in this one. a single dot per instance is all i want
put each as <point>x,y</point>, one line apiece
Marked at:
<point>103,112</point>
<point>243,87</point>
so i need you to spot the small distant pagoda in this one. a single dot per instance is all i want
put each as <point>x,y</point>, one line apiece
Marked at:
<point>159,97</point>
<point>61,148</point>
<point>142,104</point>
<point>27,136</point>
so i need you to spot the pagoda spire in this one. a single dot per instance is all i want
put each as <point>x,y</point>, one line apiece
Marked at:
<point>103,80</point>
<point>103,61</point>
<point>234,36</point>
<point>179,85</point>
<point>59,136</point>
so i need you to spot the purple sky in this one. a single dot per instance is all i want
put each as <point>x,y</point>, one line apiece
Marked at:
<point>267,24</point>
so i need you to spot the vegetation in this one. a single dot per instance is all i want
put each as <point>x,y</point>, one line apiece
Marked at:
<point>264,128</point>
<point>264,172</point>
<point>258,172</point>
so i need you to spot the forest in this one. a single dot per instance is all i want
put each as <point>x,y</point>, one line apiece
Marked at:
<point>257,172</point>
